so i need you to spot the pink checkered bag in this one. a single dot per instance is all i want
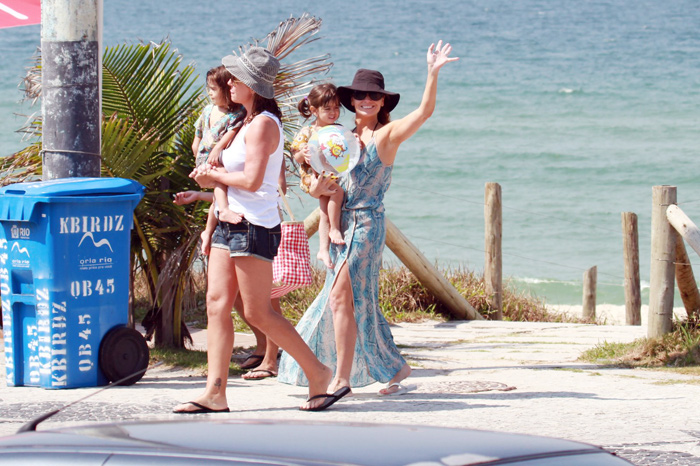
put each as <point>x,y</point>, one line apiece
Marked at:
<point>291,268</point>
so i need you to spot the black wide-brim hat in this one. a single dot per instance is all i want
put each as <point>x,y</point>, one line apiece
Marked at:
<point>369,81</point>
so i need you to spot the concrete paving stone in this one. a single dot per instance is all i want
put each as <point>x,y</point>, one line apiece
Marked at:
<point>519,377</point>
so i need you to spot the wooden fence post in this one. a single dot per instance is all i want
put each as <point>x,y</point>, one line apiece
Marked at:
<point>311,222</point>
<point>590,280</point>
<point>426,273</point>
<point>663,254</point>
<point>630,247</point>
<point>685,279</point>
<point>684,226</point>
<point>493,263</point>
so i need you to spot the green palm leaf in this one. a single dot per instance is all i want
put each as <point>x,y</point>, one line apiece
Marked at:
<point>147,85</point>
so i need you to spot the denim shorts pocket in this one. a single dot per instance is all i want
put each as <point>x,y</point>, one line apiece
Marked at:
<point>238,237</point>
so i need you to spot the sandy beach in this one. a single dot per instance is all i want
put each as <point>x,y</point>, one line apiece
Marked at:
<point>610,314</point>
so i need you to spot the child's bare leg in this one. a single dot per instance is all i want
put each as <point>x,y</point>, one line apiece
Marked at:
<point>335,201</point>
<point>208,231</point>
<point>324,242</point>
<point>225,214</point>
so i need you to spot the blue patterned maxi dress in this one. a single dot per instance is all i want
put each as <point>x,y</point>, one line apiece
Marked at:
<point>376,359</point>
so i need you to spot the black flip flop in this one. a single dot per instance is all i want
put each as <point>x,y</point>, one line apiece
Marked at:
<point>330,399</point>
<point>257,360</point>
<point>202,409</point>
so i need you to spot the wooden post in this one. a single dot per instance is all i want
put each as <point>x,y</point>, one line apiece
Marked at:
<point>493,264</point>
<point>416,262</point>
<point>685,279</point>
<point>311,222</point>
<point>590,280</point>
<point>684,226</point>
<point>663,254</point>
<point>630,247</point>
<point>424,271</point>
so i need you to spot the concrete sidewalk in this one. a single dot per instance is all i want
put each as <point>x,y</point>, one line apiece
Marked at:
<point>504,376</point>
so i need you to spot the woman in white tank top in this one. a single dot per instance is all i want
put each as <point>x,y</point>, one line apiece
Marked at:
<point>240,260</point>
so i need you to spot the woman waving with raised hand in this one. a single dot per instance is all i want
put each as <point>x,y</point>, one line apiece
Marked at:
<point>345,325</point>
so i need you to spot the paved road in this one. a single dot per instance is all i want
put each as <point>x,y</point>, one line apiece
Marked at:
<point>503,376</point>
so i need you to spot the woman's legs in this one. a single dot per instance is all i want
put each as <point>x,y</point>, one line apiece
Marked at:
<point>221,292</point>
<point>269,349</point>
<point>404,372</point>
<point>260,339</point>
<point>345,326</point>
<point>255,282</point>
<point>265,349</point>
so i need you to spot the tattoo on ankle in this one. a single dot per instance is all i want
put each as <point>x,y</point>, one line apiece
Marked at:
<point>217,383</point>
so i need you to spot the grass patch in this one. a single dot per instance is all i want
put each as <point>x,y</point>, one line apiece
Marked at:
<point>677,382</point>
<point>678,349</point>
<point>402,298</point>
<point>188,359</point>
<point>687,370</point>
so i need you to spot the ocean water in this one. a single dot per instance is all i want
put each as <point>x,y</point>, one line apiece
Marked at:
<point>577,109</point>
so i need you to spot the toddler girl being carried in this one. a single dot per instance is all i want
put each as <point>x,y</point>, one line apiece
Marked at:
<point>324,105</point>
<point>214,130</point>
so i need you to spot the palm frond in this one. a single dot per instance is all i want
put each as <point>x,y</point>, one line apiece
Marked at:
<point>21,166</point>
<point>294,78</point>
<point>175,288</point>
<point>292,34</point>
<point>147,85</point>
<point>125,150</point>
<point>31,83</point>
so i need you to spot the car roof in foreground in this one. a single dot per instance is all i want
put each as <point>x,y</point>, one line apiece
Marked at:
<point>323,443</point>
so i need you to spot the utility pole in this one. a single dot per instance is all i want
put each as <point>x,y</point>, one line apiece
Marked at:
<point>71,60</point>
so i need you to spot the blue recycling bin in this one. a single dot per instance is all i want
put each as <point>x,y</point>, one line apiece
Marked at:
<point>64,279</point>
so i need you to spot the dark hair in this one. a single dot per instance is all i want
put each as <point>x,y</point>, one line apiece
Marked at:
<point>383,117</point>
<point>220,77</point>
<point>320,95</point>
<point>262,104</point>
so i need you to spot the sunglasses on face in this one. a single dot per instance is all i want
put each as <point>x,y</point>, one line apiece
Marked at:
<point>360,95</point>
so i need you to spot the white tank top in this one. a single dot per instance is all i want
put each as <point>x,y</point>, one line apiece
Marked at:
<point>258,207</point>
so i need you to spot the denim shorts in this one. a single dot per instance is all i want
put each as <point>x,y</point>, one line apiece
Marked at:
<point>246,239</point>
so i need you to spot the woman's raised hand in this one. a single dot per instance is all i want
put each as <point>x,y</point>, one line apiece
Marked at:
<point>439,55</point>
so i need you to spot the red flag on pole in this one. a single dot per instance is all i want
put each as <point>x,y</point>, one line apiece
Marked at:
<point>19,13</point>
